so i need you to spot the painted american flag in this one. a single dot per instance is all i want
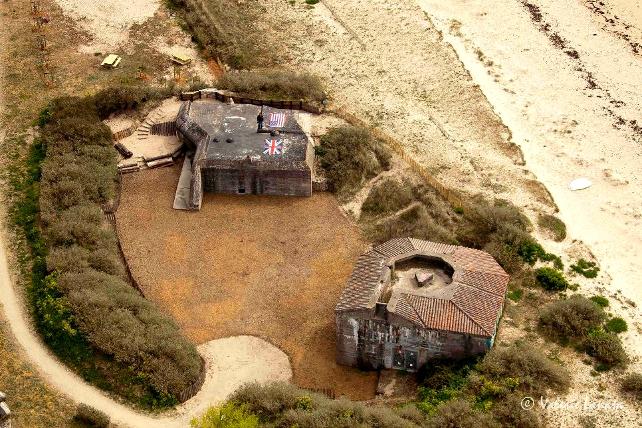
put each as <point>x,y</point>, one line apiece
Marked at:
<point>277,120</point>
<point>273,147</point>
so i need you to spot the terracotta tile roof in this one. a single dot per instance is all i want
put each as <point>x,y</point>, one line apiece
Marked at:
<point>479,287</point>
<point>363,282</point>
<point>395,247</point>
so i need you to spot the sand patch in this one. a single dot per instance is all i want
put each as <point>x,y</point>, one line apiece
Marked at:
<point>109,21</point>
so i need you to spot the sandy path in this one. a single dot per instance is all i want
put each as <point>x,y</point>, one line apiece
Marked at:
<point>231,362</point>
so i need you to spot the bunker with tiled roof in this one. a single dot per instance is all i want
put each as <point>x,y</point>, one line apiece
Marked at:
<point>409,301</point>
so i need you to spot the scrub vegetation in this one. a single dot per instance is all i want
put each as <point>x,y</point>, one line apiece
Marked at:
<point>273,84</point>
<point>83,306</point>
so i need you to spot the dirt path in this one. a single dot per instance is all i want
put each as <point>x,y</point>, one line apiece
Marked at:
<point>268,266</point>
<point>231,362</point>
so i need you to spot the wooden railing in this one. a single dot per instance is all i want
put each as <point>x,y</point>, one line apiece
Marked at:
<point>225,96</point>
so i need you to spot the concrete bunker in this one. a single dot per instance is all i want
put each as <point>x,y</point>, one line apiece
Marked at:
<point>387,318</point>
<point>242,149</point>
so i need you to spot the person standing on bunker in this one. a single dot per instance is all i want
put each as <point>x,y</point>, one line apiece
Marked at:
<point>259,120</point>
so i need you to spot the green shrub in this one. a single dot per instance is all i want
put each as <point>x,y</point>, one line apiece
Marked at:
<point>89,416</point>
<point>606,347</point>
<point>280,404</point>
<point>442,381</point>
<point>553,225</point>
<point>632,384</point>
<point>274,84</point>
<point>515,295</point>
<point>508,412</point>
<point>585,268</point>
<point>459,413</point>
<point>600,301</point>
<point>616,325</point>
<point>387,196</point>
<point>535,372</point>
<point>349,155</point>
<point>572,318</point>
<point>228,415</point>
<point>486,219</point>
<point>414,222</point>
<point>115,99</point>
<point>411,413</point>
<point>551,279</point>
<point>84,309</point>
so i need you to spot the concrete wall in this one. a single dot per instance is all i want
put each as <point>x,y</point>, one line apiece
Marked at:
<point>370,342</point>
<point>255,181</point>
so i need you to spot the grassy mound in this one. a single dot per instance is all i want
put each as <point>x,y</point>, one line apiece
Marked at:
<point>274,84</point>
<point>84,308</point>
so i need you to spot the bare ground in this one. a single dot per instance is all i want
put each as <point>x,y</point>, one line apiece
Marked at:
<point>271,267</point>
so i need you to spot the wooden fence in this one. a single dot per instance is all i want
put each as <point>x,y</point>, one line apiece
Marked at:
<point>452,196</point>
<point>226,96</point>
<point>124,133</point>
<point>164,128</point>
<point>109,210</point>
<point>193,389</point>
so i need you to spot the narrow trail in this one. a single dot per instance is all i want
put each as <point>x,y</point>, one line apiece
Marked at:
<point>231,362</point>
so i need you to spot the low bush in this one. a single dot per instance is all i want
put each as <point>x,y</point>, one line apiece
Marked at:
<point>555,227</point>
<point>227,32</point>
<point>386,197</point>
<point>487,219</point>
<point>509,413</point>
<point>606,348</point>
<point>279,404</point>
<point>414,222</point>
<point>91,417</point>
<point>84,308</point>
<point>515,295</point>
<point>274,84</point>
<point>572,318</point>
<point>600,301</point>
<point>228,415</point>
<point>534,372</point>
<point>460,413</point>
<point>350,155</point>
<point>632,384</point>
<point>442,381</point>
<point>551,279</point>
<point>585,268</point>
<point>616,325</point>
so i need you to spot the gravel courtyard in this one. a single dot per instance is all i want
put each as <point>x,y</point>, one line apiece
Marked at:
<point>271,267</point>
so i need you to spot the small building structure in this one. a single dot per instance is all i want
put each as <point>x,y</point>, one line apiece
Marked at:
<point>244,149</point>
<point>409,301</point>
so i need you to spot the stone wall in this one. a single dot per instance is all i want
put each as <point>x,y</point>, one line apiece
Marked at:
<point>370,342</point>
<point>5,413</point>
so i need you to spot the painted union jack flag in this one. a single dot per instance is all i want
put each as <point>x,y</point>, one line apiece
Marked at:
<point>273,147</point>
<point>277,120</point>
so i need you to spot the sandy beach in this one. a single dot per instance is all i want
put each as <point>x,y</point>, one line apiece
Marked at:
<point>565,77</point>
